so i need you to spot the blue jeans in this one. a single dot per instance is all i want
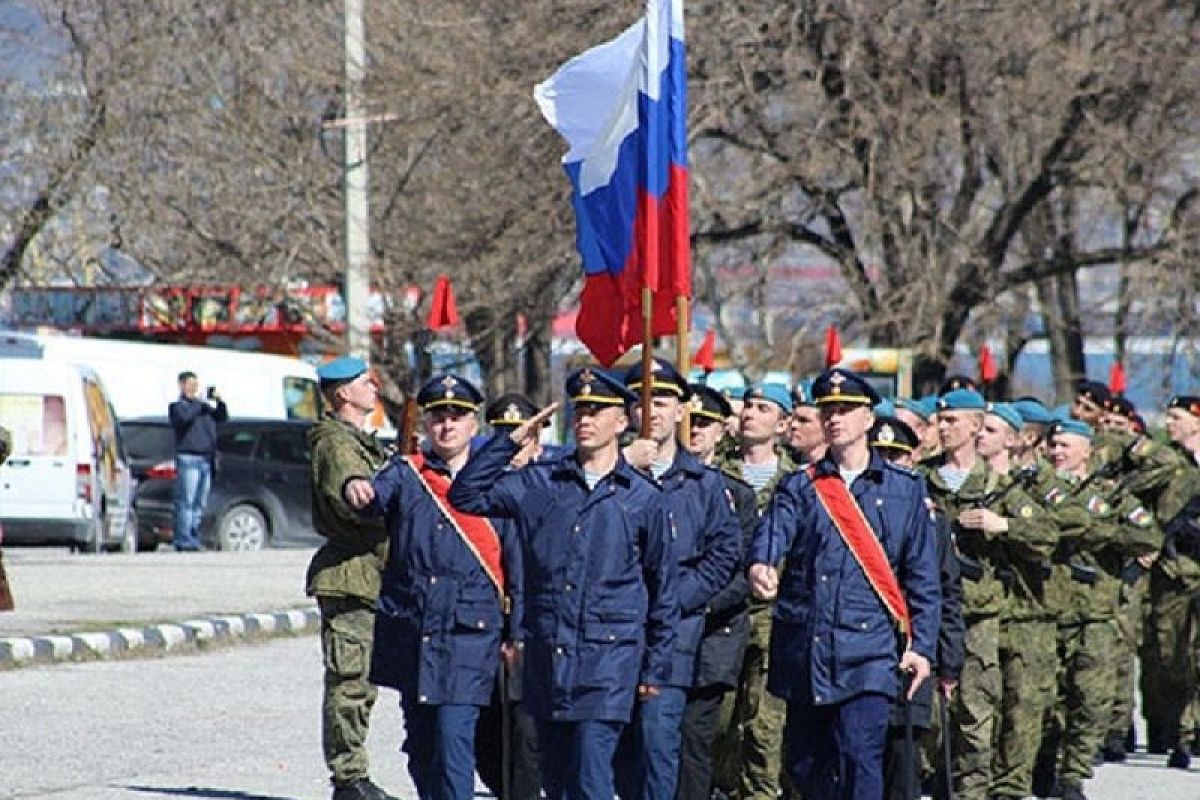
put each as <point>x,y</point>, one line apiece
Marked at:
<point>577,758</point>
<point>193,478</point>
<point>440,744</point>
<point>836,752</point>
<point>647,763</point>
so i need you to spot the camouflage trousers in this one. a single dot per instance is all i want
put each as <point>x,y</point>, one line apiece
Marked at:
<point>1171,682</point>
<point>1084,703</point>
<point>347,632</point>
<point>748,755</point>
<point>1124,661</point>
<point>975,711</point>
<point>1028,662</point>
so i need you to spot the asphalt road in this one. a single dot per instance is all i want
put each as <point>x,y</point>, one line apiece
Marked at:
<point>242,724</point>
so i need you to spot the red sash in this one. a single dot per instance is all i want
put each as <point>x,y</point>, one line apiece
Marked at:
<point>476,532</point>
<point>856,532</point>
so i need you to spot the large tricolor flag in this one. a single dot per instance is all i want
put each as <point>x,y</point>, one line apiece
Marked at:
<point>622,107</point>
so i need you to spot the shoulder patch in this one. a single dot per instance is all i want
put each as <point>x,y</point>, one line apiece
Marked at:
<point>1140,517</point>
<point>1142,446</point>
<point>1055,496</point>
<point>1098,505</point>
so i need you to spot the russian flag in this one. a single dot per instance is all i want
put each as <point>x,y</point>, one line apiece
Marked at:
<point>622,107</point>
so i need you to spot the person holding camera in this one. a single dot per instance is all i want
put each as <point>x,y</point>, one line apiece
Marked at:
<point>194,421</point>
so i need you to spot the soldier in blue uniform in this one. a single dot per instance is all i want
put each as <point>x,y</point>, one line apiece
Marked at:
<point>836,656</point>
<point>441,609</point>
<point>706,546</point>
<point>726,620</point>
<point>600,607</point>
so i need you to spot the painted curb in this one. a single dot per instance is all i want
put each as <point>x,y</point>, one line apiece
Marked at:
<point>191,634</point>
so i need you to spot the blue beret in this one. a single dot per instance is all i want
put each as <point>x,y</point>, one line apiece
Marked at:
<point>961,400</point>
<point>735,392</point>
<point>1061,412</point>
<point>594,385</point>
<point>953,382</point>
<point>1032,410</point>
<point>664,378</point>
<point>1006,412</point>
<point>707,402</point>
<point>889,432</point>
<point>776,393</point>
<point>1073,426</point>
<point>839,385</point>
<point>346,368</point>
<point>924,408</point>
<point>449,390</point>
<point>885,408</point>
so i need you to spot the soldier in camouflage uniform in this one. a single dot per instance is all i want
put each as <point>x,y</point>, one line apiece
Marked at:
<point>1085,587</point>
<point>1027,631</point>
<point>748,757</point>
<point>345,573</point>
<point>993,519</point>
<point>1171,680</point>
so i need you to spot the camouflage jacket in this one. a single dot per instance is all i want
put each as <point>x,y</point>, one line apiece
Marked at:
<point>1111,528</point>
<point>994,557</point>
<point>350,563</point>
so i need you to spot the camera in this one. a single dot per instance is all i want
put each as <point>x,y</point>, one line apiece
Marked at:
<point>211,394</point>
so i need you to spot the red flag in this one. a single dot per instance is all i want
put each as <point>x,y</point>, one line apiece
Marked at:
<point>833,346</point>
<point>705,357</point>
<point>1116,378</point>
<point>987,365</point>
<point>443,311</point>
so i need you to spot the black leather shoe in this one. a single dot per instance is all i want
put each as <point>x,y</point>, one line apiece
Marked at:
<point>1181,757</point>
<point>1114,751</point>
<point>361,790</point>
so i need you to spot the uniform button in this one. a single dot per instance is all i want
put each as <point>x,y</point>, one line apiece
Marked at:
<point>422,699</point>
<point>425,638</point>
<point>433,580</point>
<point>817,698</point>
<point>481,624</point>
<point>727,629</point>
<point>570,587</point>
<point>558,651</point>
<point>824,577</point>
<point>575,529</point>
<point>863,626</point>
<point>816,638</point>
<point>612,637</point>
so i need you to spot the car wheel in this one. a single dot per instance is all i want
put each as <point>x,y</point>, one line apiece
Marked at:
<point>242,527</point>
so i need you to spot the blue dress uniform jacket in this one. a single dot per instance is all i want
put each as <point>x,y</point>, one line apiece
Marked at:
<point>707,545</point>
<point>832,639</point>
<point>439,621</point>
<point>599,593</point>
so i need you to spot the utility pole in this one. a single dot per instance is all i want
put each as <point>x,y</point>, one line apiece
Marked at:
<point>358,238</point>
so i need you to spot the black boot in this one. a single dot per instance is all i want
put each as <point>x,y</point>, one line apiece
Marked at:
<point>361,789</point>
<point>1181,757</point>
<point>1073,791</point>
<point>1113,751</point>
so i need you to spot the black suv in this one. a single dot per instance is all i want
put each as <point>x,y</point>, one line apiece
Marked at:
<point>261,490</point>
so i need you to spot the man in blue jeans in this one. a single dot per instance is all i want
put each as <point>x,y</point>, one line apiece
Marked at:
<point>194,421</point>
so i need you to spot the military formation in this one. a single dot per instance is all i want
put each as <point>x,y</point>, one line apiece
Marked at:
<point>806,592</point>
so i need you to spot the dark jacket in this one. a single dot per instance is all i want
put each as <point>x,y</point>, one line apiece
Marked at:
<point>439,618</point>
<point>599,593</point>
<point>951,633</point>
<point>831,638</point>
<point>727,624</point>
<point>707,546</point>
<point>195,424</point>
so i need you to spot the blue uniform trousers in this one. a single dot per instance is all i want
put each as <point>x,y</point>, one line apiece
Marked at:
<point>577,758</point>
<point>835,752</point>
<point>647,764</point>
<point>440,744</point>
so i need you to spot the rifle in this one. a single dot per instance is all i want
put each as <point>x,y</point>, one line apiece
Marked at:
<point>1182,532</point>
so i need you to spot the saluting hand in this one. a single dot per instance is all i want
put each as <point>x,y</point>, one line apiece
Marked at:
<point>528,431</point>
<point>764,581</point>
<point>358,493</point>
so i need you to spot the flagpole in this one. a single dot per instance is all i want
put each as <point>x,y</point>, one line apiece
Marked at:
<point>647,359</point>
<point>683,356</point>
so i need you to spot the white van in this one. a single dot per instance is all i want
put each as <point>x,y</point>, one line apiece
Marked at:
<point>142,376</point>
<point>67,480</point>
